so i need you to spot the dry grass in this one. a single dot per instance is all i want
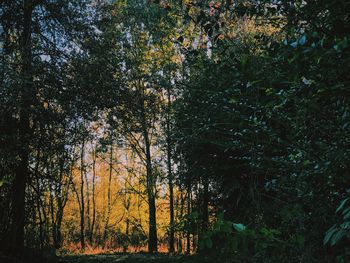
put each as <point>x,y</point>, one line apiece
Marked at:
<point>75,249</point>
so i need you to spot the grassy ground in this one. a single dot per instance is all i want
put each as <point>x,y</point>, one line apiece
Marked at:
<point>128,258</point>
<point>123,258</point>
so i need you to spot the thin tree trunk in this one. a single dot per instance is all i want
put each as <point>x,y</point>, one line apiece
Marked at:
<point>170,177</point>
<point>82,205</point>
<point>88,205</point>
<point>199,205</point>
<point>52,213</point>
<point>127,221</point>
<point>108,194</point>
<point>51,200</point>
<point>41,236</point>
<point>61,203</point>
<point>180,246</point>
<point>38,199</point>
<point>188,246</point>
<point>93,194</point>
<point>205,213</point>
<point>203,203</point>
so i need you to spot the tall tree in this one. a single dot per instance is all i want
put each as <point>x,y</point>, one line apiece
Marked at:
<point>24,130</point>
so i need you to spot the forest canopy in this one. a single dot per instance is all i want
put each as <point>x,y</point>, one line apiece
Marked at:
<point>219,130</point>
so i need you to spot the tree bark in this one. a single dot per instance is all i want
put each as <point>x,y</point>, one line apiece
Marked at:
<point>62,198</point>
<point>152,242</point>
<point>170,176</point>
<point>188,237</point>
<point>22,169</point>
<point>93,194</point>
<point>82,205</point>
<point>179,244</point>
<point>88,205</point>
<point>205,212</point>
<point>108,194</point>
<point>150,180</point>
<point>152,239</point>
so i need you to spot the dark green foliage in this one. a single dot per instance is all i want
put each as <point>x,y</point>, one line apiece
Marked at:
<point>267,123</point>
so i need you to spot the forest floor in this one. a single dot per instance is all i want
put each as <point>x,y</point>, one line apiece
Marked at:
<point>128,258</point>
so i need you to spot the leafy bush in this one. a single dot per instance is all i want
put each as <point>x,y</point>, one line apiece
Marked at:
<point>338,235</point>
<point>224,237</point>
<point>258,245</point>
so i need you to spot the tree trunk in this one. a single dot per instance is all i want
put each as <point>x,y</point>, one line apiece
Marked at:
<point>22,169</point>
<point>152,234</point>
<point>182,201</point>
<point>82,205</point>
<point>52,213</point>
<point>88,205</point>
<point>205,212</point>
<point>152,240</point>
<point>59,218</point>
<point>38,199</point>
<point>109,193</point>
<point>188,237</point>
<point>203,204</point>
<point>62,198</point>
<point>170,177</point>
<point>93,194</point>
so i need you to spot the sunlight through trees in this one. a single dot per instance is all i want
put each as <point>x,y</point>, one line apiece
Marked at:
<point>208,130</point>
